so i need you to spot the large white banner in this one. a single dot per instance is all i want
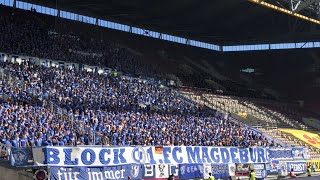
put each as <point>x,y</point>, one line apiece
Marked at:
<point>111,156</point>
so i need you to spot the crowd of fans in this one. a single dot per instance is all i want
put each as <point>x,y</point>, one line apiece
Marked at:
<point>101,109</point>
<point>107,110</point>
<point>25,125</point>
<point>85,90</point>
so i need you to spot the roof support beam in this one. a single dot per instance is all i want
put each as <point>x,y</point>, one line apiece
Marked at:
<point>286,11</point>
<point>301,5</point>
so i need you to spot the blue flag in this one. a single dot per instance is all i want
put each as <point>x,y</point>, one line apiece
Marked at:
<point>19,156</point>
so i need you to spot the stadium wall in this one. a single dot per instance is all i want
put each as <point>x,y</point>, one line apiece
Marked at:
<point>13,173</point>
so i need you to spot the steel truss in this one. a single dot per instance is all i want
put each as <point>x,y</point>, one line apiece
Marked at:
<point>304,9</point>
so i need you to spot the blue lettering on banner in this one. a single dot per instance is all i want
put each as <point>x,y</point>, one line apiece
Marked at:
<point>68,160</point>
<point>244,155</point>
<point>193,154</point>
<point>234,155</point>
<point>298,167</point>
<point>215,155</point>
<point>150,156</point>
<point>102,156</point>
<point>261,156</point>
<point>253,154</point>
<point>205,155</point>
<point>139,155</point>
<point>118,156</point>
<point>85,154</point>
<point>166,155</point>
<point>51,156</point>
<point>225,156</point>
<point>177,158</point>
<point>113,156</point>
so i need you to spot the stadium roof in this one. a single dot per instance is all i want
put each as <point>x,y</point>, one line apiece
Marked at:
<point>214,21</point>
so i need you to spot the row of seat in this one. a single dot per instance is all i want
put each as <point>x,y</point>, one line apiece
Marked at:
<point>236,105</point>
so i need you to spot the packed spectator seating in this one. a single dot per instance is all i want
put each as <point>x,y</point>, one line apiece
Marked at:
<point>80,90</point>
<point>112,110</point>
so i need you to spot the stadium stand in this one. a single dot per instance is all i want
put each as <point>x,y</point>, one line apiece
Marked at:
<point>96,105</point>
<point>259,116</point>
<point>48,98</point>
<point>244,107</point>
<point>114,121</point>
<point>82,92</point>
